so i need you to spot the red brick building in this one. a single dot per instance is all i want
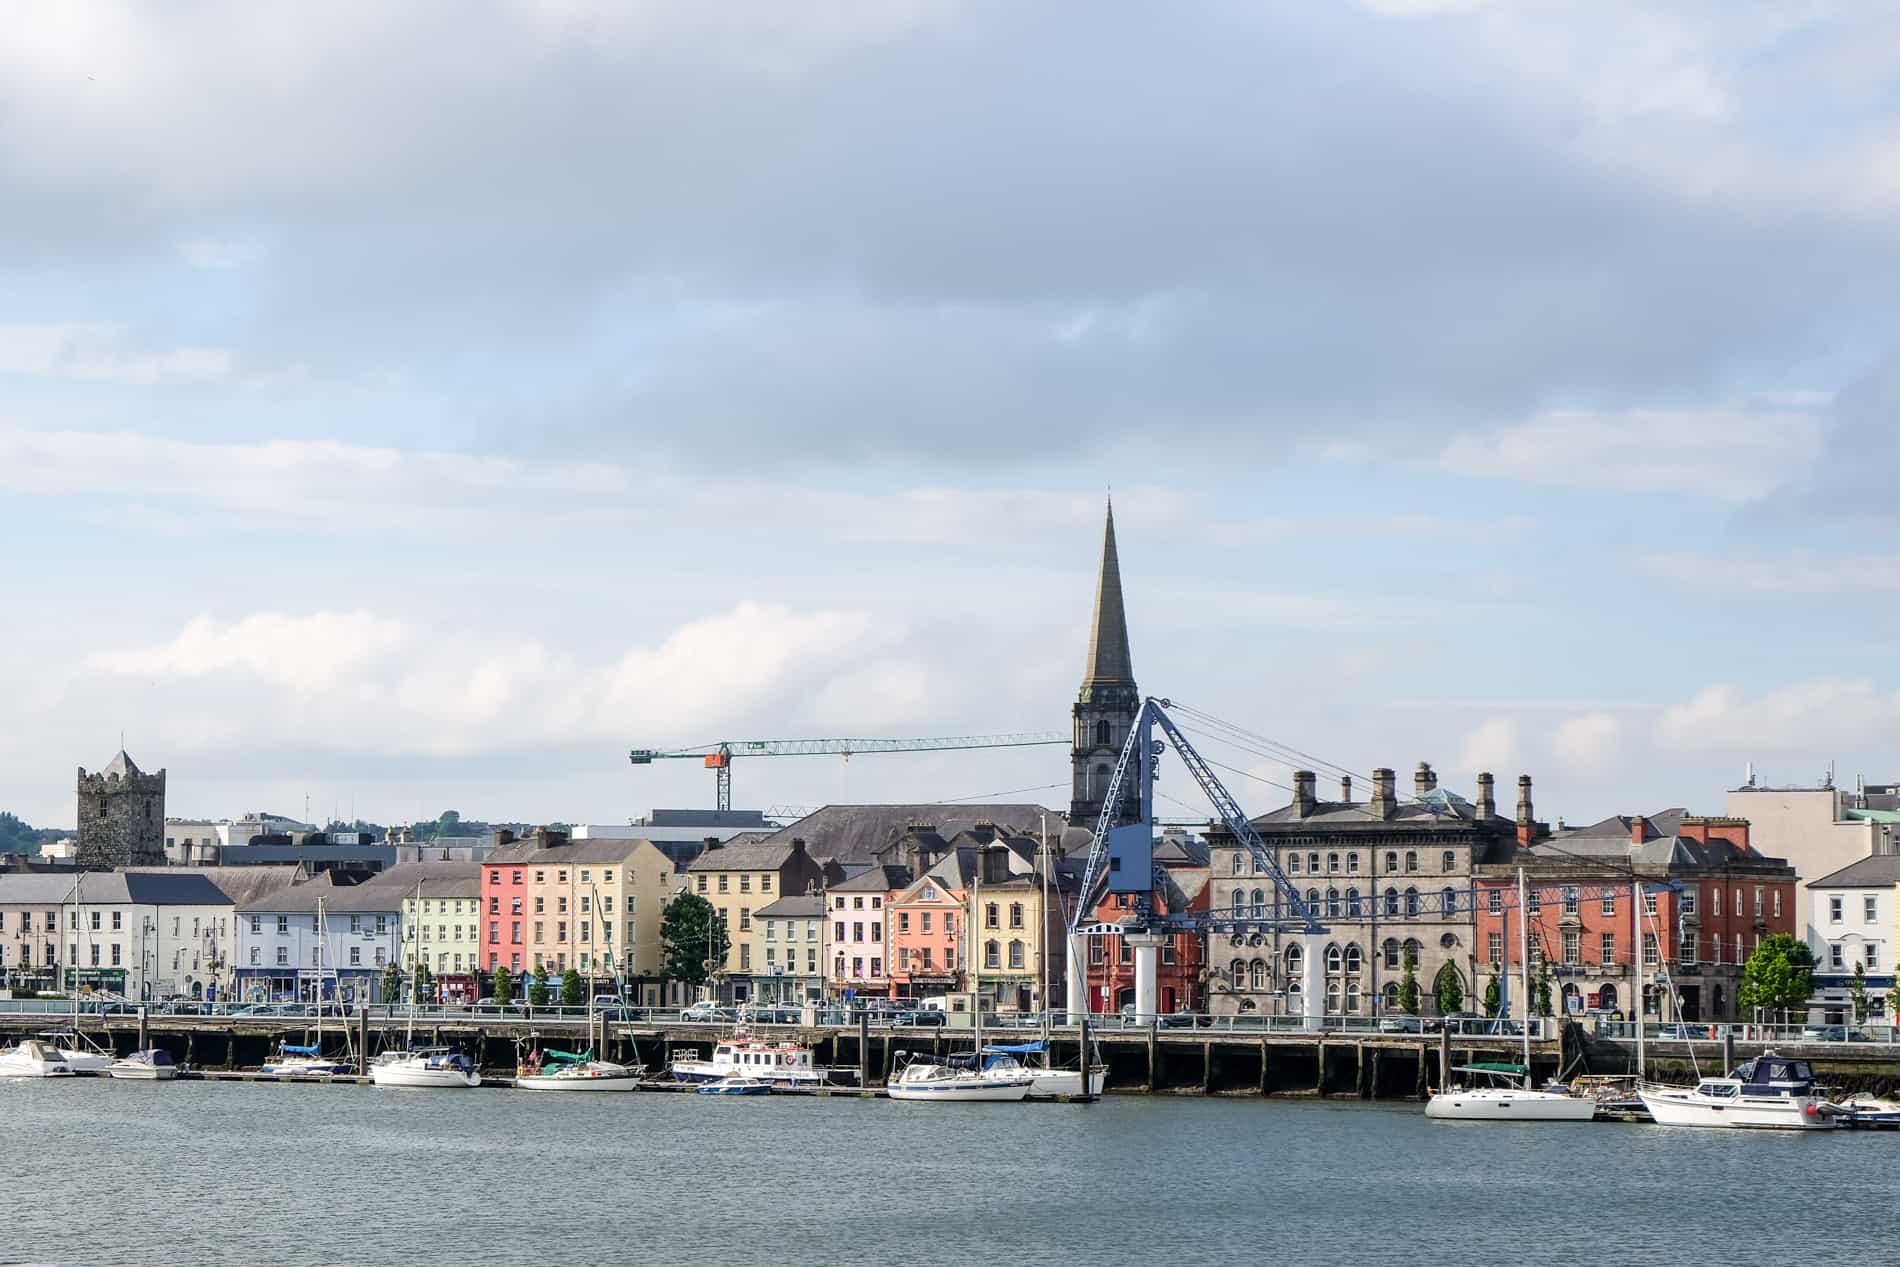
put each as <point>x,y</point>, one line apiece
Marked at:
<point>1180,983</point>
<point>1723,898</point>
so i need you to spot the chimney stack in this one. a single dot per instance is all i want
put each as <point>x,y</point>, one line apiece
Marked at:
<point>1524,800</point>
<point>1424,779</point>
<point>1384,793</point>
<point>1305,783</point>
<point>1345,788</point>
<point>1639,830</point>
<point>1487,796</point>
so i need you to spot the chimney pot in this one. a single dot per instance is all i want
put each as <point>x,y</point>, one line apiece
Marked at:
<point>1424,779</point>
<point>1345,788</point>
<point>1487,796</point>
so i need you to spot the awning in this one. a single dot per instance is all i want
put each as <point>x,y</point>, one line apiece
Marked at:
<point>1015,1049</point>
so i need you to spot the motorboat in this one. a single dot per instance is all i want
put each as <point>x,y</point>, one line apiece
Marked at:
<point>568,1071</point>
<point>781,1063</point>
<point>1501,1094</point>
<point>155,1064</point>
<point>1007,1059</point>
<point>1770,1092</point>
<point>33,1059</point>
<point>956,1083</point>
<point>425,1067</point>
<point>79,1052</point>
<point>295,1061</point>
<point>736,1086</point>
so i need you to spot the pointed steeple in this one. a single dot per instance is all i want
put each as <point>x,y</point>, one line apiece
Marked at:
<point>1109,663</point>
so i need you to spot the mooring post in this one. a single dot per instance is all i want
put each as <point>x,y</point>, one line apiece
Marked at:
<point>1207,1066</point>
<point>362,1032</point>
<point>145,1031</point>
<point>1728,1049</point>
<point>1372,1082</point>
<point>1421,1088</point>
<point>1266,1064</point>
<point>1154,1053</point>
<point>864,1049</point>
<point>1319,1079</point>
<point>1444,1057</point>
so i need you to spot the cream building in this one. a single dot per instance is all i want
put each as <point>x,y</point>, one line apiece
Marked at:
<point>595,906</point>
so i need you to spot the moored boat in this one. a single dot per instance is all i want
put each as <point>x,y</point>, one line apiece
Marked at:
<point>1048,1082</point>
<point>1770,1092</point>
<point>294,1061</point>
<point>80,1053</point>
<point>425,1067</point>
<point>929,1080</point>
<point>736,1086</point>
<point>781,1063</point>
<point>568,1071</point>
<point>155,1064</point>
<point>1505,1099</point>
<point>33,1059</point>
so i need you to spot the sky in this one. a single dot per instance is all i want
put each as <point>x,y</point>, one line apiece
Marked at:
<point>412,407</point>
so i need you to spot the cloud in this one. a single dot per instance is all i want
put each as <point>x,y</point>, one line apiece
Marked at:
<point>214,253</point>
<point>1817,716</point>
<point>1730,454</point>
<point>95,352</point>
<point>1492,745</point>
<point>1587,742</point>
<point>1759,573</point>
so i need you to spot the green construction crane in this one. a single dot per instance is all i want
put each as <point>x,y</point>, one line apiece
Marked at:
<point>718,757</point>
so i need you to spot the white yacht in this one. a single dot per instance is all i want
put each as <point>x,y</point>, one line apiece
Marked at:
<point>784,1064</point>
<point>1767,1093</point>
<point>566,1071</point>
<point>425,1067</point>
<point>957,1083</point>
<point>152,1065</point>
<point>80,1053</point>
<point>33,1059</point>
<point>1506,1099</point>
<point>1049,1083</point>
<point>295,1061</point>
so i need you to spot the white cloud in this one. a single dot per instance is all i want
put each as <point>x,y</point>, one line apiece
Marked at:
<point>1492,745</point>
<point>1821,716</point>
<point>1587,742</point>
<point>1786,572</point>
<point>1731,454</point>
<point>100,352</point>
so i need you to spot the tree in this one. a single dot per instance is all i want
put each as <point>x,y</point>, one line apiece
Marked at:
<point>1858,993</point>
<point>692,934</point>
<point>479,983</point>
<point>573,993</point>
<point>504,986</point>
<point>1450,988</point>
<point>1540,991</point>
<point>1779,976</point>
<point>1408,984</point>
<point>1493,994</point>
<point>424,984</point>
<point>392,984</point>
<point>538,987</point>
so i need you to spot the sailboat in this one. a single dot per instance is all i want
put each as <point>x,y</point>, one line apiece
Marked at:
<point>1500,1097</point>
<point>81,1054</point>
<point>550,1070</point>
<point>308,1061</point>
<point>422,1066</point>
<point>1050,1082</point>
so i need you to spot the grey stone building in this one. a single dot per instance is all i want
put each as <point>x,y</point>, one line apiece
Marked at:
<point>1378,873</point>
<point>121,816</point>
<point>1106,706</point>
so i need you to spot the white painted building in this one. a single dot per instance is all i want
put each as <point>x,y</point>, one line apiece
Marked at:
<point>31,927</point>
<point>1851,922</point>
<point>284,951</point>
<point>139,935</point>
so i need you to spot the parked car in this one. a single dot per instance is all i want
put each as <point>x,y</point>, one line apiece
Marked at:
<point>1401,1024</point>
<point>1835,1034</point>
<point>1181,1020</point>
<point>1457,1023</point>
<point>708,1011</point>
<point>924,1017</point>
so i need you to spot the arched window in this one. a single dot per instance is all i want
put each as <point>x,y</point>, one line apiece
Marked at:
<point>1259,867</point>
<point>1390,948</point>
<point>1411,859</point>
<point>1101,734</point>
<point>1240,903</point>
<point>1312,899</point>
<point>1411,900</point>
<point>1098,784</point>
<point>1257,975</point>
<point>1332,903</point>
<point>1237,973</point>
<point>1717,894</point>
<point>1332,864</point>
<point>1448,901</point>
<point>1015,954</point>
<point>1412,949</point>
<point>1355,961</point>
<point>1332,997</point>
<point>1240,863</point>
<point>1352,996</point>
<point>1391,901</point>
<point>1312,863</point>
<point>1352,903</point>
<point>1295,962</point>
<point>1259,903</point>
<point>1448,861</point>
<point>1391,861</point>
<point>1391,996</point>
<point>1352,863</point>
<point>1293,864</point>
<point>1335,962</point>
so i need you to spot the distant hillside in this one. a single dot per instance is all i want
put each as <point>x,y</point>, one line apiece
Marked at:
<point>19,836</point>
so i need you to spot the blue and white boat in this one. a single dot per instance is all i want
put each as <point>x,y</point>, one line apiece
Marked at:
<point>294,1061</point>
<point>957,1080</point>
<point>1770,1092</point>
<point>154,1064</point>
<point>736,1086</point>
<point>1013,1059</point>
<point>781,1064</point>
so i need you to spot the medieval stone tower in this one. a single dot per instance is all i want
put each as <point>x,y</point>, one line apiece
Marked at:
<point>121,816</point>
<point>1106,706</point>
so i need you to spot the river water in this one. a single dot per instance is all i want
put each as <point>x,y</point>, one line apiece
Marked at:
<point>103,1173</point>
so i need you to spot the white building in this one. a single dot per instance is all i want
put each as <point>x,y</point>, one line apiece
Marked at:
<point>30,928</point>
<point>1851,922</point>
<point>859,943</point>
<point>138,935</point>
<point>285,952</point>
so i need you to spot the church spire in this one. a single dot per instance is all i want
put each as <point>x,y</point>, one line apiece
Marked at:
<point>1109,663</point>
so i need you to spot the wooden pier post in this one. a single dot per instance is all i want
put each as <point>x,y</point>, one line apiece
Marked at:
<point>1444,1057</point>
<point>1266,1066</point>
<point>1728,1050</point>
<point>864,1048</point>
<point>1420,1088</point>
<point>145,1030</point>
<point>1207,1067</point>
<point>1319,1079</point>
<point>1359,1068</point>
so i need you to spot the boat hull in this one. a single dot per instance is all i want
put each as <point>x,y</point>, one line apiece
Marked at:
<point>962,1090</point>
<point>1761,1113</point>
<point>41,1069</point>
<point>1050,1084</point>
<point>1487,1104</point>
<point>403,1074</point>
<point>308,1069</point>
<point>542,1082</point>
<point>131,1071</point>
<point>80,1061</point>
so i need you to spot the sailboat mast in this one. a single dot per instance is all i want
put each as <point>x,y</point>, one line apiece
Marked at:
<point>415,971</point>
<point>79,907</point>
<point>1641,1000</point>
<point>1042,951</point>
<point>1524,948</point>
<point>976,957</point>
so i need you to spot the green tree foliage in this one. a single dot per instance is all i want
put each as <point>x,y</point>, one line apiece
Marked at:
<point>1779,976</point>
<point>504,985</point>
<point>538,987</point>
<point>392,984</point>
<point>1858,993</point>
<point>1493,994</point>
<point>1408,985</point>
<point>573,993</point>
<point>1450,989</point>
<point>1540,991</point>
<point>424,984</point>
<point>691,934</point>
<point>19,836</point>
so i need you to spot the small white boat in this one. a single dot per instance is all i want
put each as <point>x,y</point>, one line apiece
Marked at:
<point>927,1080</point>
<point>425,1067</point>
<point>152,1065</point>
<point>306,1062</point>
<point>1015,1059</point>
<point>782,1064</point>
<point>33,1059</point>
<point>80,1053</point>
<point>1770,1092</point>
<point>736,1086</point>
<point>1504,1101</point>
<point>565,1071</point>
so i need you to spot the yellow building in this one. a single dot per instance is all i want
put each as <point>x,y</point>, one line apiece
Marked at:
<point>594,906</point>
<point>441,924</point>
<point>740,880</point>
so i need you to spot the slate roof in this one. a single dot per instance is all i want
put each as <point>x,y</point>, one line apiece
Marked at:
<point>594,849</point>
<point>798,906</point>
<point>759,855</point>
<point>243,885</point>
<point>858,833</point>
<point>338,899</point>
<point>438,879</point>
<point>121,765</point>
<point>881,878</point>
<point>35,888</point>
<point>170,887</point>
<point>1437,808</point>
<point>1880,871</point>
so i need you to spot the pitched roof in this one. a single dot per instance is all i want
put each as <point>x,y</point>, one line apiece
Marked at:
<point>438,879</point>
<point>1879,871</point>
<point>1110,661</point>
<point>759,855</point>
<point>172,886</point>
<point>35,888</point>
<point>858,833</point>
<point>121,765</point>
<point>880,878</point>
<point>341,899</point>
<point>798,906</point>
<point>243,885</point>
<point>594,849</point>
